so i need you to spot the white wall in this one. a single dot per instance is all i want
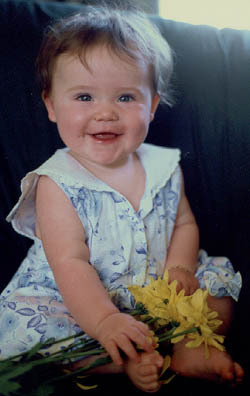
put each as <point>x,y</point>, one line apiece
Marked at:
<point>219,13</point>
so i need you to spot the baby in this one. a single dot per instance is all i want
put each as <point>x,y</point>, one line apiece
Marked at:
<point>108,210</point>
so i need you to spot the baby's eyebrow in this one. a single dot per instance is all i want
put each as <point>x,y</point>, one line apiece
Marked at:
<point>119,89</point>
<point>80,88</point>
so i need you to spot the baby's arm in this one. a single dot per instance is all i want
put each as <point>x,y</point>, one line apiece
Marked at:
<point>182,254</point>
<point>63,238</point>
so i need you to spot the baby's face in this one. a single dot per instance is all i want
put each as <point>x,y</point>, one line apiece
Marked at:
<point>102,111</point>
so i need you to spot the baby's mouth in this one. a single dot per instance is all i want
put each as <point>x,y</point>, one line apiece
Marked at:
<point>105,136</point>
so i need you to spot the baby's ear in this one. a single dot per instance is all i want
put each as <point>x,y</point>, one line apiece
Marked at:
<point>154,105</point>
<point>47,100</point>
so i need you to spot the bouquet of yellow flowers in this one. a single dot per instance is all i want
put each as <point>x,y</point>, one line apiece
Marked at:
<point>170,315</point>
<point>189,316</point>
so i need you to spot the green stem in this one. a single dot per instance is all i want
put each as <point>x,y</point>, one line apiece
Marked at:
<point>170,334</point>
<point>45,344</point>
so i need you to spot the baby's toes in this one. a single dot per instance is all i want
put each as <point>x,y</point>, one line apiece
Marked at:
<point>227,374</point>
<point>149,383</point>
<point>239,372</point>
<point>154,359</point>
<point>152,387</point>
<point>149,378</point>
<point>147,370</point>
<point>232,373</point>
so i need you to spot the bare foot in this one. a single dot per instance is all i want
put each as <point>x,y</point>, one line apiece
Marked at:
<point>193,363</point>
<point>145,374</point>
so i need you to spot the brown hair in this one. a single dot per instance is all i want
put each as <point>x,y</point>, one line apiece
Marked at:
<point>127,33</point>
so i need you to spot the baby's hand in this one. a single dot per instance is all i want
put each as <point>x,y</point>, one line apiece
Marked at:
<point>119,330</point>
<point>186,280</point>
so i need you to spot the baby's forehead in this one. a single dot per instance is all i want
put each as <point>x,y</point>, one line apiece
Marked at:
<point>129,55</point>
<point>101,68</point>
<point>100,53</point>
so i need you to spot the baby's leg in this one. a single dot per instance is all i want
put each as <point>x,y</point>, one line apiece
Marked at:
<point>220,366</point>
<point>109,368</point>
<point>145,374</point>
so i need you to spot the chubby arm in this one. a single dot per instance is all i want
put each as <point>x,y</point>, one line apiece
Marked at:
<point>182,255</point>
<point>63,237</point>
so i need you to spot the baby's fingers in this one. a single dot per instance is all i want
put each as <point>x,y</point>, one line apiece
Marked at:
<point>142,341</point>
<point>113,351</point>
<point>125,345</point>
<point>123,342</point>
<point>180,286</point>
<point>147,341</point>
<point>128,348</point>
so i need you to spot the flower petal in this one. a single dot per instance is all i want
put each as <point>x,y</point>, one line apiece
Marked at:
<point>166,364</point>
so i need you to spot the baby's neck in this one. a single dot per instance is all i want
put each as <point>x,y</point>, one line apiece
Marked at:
<point>128,178</point>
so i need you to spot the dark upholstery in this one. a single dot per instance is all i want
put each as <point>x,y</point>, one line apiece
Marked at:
<point>210,123</point>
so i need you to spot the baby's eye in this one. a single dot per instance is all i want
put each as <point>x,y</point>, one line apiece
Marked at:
<point>84,98</point>
<point>126,98</point>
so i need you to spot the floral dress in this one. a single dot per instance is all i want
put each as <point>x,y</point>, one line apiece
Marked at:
<point>126,246</point>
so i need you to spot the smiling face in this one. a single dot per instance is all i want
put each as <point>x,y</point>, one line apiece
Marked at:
<point>102,111</point>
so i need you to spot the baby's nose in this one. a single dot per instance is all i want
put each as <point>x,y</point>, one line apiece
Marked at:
<point>106,113</point>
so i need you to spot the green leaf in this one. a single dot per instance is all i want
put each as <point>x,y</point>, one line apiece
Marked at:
<point>19,369</point>
<point>43,390</point>
<point>16,370</point>
<point>6,386</point>
<point>6,365</point>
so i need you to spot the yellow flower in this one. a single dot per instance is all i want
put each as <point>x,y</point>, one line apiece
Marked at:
<point>166,366</point>
<point>196,312</point>
<point>159,298</point>
<point>163,302</point>
<point>86,387</point>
